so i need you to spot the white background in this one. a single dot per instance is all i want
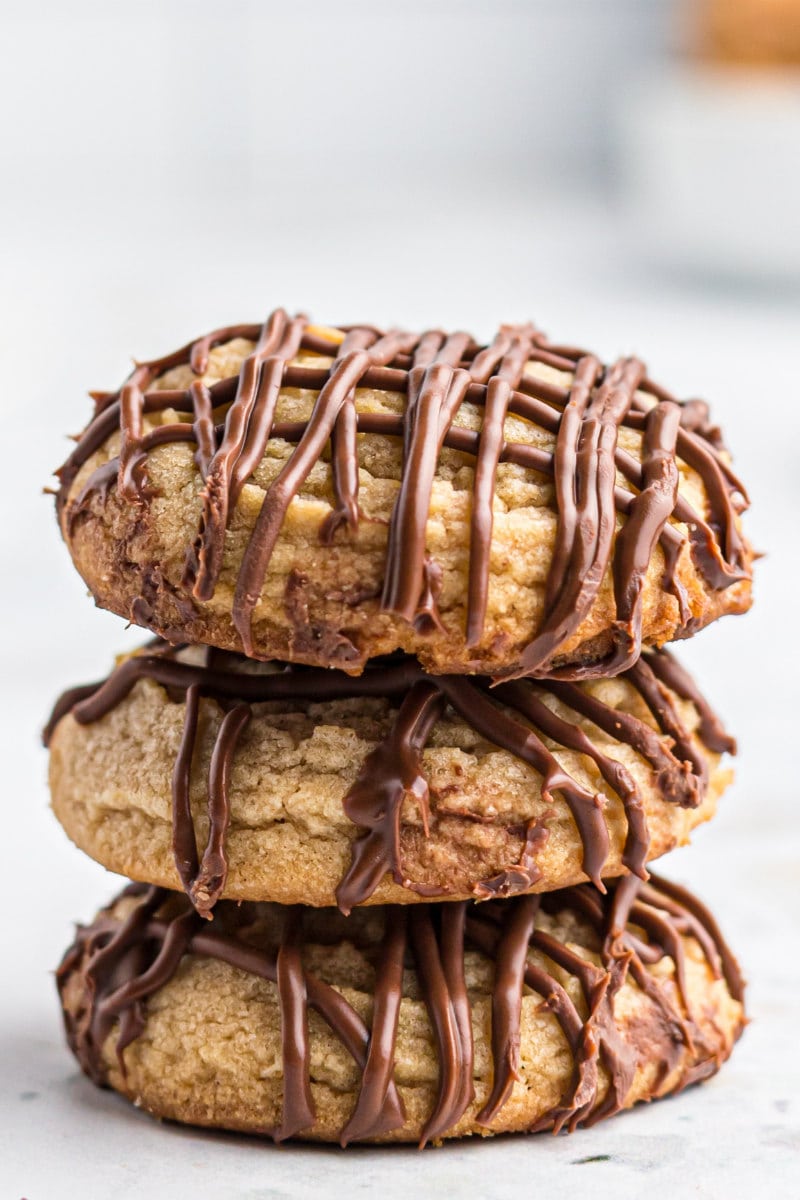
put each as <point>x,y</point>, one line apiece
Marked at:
<point>169,167</point>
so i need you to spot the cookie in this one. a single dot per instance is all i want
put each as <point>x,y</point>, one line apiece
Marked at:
<point>199,769</point>
<point>398,1024</point>
<point>327,496</point>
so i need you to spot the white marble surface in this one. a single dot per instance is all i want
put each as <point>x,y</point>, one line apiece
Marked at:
<point>79,297</point>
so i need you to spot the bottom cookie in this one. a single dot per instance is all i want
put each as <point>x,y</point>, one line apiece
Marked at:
<point>542,1012</point>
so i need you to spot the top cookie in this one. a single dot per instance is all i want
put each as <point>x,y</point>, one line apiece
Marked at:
<point>328,495</point>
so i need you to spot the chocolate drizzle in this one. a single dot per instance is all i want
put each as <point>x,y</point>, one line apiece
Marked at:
<point>437,374</point>
<point>513,716</point>
<point>115,965</point>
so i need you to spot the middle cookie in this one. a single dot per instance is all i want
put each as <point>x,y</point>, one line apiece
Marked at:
<point>197,769</point>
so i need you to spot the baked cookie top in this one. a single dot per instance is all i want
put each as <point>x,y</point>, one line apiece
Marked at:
<point>328,495</point>
<point>402,1024</point>
<point>198,768</point>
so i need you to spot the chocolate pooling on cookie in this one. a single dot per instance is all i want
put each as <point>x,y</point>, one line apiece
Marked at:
<point>118,964</point>
<point>513,716</point>
<point>232,421</point>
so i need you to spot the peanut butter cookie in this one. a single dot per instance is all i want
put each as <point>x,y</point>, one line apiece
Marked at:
<point>399,1024</point>
<point>326,496</point>
<point>199,769</point>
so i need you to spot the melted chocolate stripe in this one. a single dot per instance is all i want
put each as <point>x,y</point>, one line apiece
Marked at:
<point>451,1051</point>
<point>249,451</point>
<point>298,1106</point>
<point>184,839</point>
<point>580,1095</point>
<point>68,702</point>
<point>637,539</point>
<point>620,1065</point>
<point>209,882</point>
<point>344,458</point>
<point>132,455</point>
<point>513,716</point>
<point>564,472</point>
<point>392,771</point>
<point>196,353</point>
<point>370,1117</point>
<point>434,396</point>
<point>454,923</point>
<point>486,361</point>
<point>511,958</point>
<point>453,349</point>
<point>490,448</point>
<point>202,426</point>
<point>703,460</point>
<point>590,516</point>
<point>426,350</point>
<point>678,1026</point>
<point>506,357</point>
<point>616,920</point>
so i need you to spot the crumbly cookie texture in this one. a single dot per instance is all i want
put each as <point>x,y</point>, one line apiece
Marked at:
<point>289,838</point>
<point>322,599</point>
<point>204,1044</point>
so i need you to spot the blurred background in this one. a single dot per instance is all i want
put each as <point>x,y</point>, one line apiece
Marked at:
<point>626,173</point>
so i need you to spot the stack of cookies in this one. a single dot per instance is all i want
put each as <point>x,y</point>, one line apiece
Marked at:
<point>390,774</point>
